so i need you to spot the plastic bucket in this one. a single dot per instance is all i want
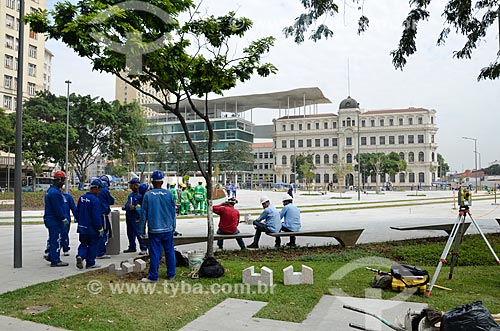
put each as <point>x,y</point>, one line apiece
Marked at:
<point>248,219</point>
<point>195,259</point>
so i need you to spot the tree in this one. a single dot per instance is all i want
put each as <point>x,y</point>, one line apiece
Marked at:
<point>7,138</point>
<point>180,60</point>
<point>443,167</point>
<point>342,169</point>
<point>178,158</point>
<point>302,159</point>
<point>393,164</point>
<point>306,170</point>
<point>469,18</point>
<point>237,157</point>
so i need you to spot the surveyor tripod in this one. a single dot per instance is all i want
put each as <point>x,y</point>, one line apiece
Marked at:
<point>455,239</point>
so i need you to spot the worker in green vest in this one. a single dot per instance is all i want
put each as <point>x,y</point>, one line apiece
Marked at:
<point>184,198</point>
<point>200,195</point>
<point>190,191</point>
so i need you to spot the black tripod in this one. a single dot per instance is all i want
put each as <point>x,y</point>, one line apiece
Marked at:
<point>455,239</point>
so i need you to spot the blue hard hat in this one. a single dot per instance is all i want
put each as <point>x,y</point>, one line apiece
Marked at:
<point>96,183</point>
<point>105,178</point>
<point>157,175</point>
<point>134,181</point>
<point>143,188</point>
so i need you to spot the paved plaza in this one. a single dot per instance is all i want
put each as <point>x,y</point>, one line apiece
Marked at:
<point>320,212</point>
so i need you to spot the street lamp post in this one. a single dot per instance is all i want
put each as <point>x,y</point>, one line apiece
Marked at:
<point>294,166</point>
<point>67,136</point>
<point>359,164</point>
<point>475,157</point>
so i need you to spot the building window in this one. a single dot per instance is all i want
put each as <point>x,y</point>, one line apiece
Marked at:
<point>391,122</point>
<point>432,156</point>
<point>334,125</point>
<point>283,160</point>
<point>33,35</point>
<point>420,138</point>
<point>7,102</point>
<point>363,123</point>
<point>381,140</point>
<point>9,41</point>
<point>291,127</point>
<point>317,178</point>
<point>301,143</point>
<point>410,121</point>
<point>317,159</point>
<point>300,127</point>
<point>382,122</point>
<point>10,4</point>
<point>31,69</point>
<point>421,177</point>
<point>411,157</point>
<point>373,178</point>
<point>309,142</point>
<point>325,125</point>
<point>343,123</point>
<point>326,178</point>
<point>292,143</point>
<point>283,127</point>
<point>402,177</point>
<point>283,144</point>
<point>335,158</point>
<point>372,123</point>
<point>308,126</point>
<point>8,61</point>
<point>373,140</point>
<point>349,158</point>
<point>326,142</point>
<point>32,51</point>
<point>401,140</point>
<point>317,142</point>
<point>363,140</point>
<point>326,159</point>
<point>411,177</point>
<point>7,82</point>
<point>317,126</point>
<point>411,139</point>
<point>348,121</point>
<point>420,120</point>
<point>400,121</point>
<point>421,157</point>
<point>432,119</point>
<point>348,141</point>
<point>9,21</point>
<point>402,156</point>
<point>392,140</point>
<point>335,142</point>
<point>432,139</point>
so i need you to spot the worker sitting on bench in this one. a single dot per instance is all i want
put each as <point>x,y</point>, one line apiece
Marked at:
<point>269,221</point>
<point>291,215</point>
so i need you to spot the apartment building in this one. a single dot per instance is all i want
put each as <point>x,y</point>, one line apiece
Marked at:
<point>35,55</point>
<point>125,93</point>
<point>333,138</point>
<point>263,167</point>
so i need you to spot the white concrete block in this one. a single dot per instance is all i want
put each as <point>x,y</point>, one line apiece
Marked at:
<point>115,270</point>
<point>296,278</point>
<point>127,267</point>
<point>139,265</point>
<point>265,277</point>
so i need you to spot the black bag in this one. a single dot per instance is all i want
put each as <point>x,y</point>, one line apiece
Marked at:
<point>180,259</point>
<point>469,317</point>
<point>410,275</point>
<point>211,268</point>
<point>382,281</point>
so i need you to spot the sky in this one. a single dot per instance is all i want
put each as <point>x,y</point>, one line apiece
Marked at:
<point>432,78</point>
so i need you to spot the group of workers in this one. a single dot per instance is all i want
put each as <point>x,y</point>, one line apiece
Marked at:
<point>190,198</point>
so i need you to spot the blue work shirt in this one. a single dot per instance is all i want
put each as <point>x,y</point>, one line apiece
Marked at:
<point>133,199</point>
<point>291,214</point>
<point>272,217</point>
<point>106,200</point>
<point>158,210</point>
<point>89,214</point>
<point>69,206</point>
<point>54,207</point>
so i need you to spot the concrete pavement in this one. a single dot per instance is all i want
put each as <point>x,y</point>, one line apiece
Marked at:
<point>375,221</point>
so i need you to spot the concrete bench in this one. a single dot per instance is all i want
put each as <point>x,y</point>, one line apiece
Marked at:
<point>184,240</point>
<point>447,227</point>
<point>346,238</point>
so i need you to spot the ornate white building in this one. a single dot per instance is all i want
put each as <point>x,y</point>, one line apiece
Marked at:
<point>333,138</point>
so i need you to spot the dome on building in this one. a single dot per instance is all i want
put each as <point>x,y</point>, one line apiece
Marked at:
<point>348,103</point>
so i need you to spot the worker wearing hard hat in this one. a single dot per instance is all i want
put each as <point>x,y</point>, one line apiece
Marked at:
<point>269,221</point>
<point>291,220</point>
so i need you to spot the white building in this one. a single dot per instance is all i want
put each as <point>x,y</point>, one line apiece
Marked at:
<point>333,138</point>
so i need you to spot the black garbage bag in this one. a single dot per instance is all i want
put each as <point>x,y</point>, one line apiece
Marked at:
<point>211,268</point>
<point>469,317</point>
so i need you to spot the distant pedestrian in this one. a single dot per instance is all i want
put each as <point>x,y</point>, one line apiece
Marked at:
<point>234,187</point>
<point>90,225</point>
<point>268,221</point>
<point>228,189</point>
<point>290,191</point>
<point>158,212</point>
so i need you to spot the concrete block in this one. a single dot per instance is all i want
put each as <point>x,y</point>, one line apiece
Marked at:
<point>296,278</point>
<point>116,270</point>
<point>265,277</point>
<point>139,265</point>
<point>127,267</point>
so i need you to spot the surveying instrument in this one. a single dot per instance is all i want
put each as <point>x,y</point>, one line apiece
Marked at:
<point>456,236</point>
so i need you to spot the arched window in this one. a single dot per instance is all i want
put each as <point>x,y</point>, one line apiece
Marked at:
<point>335,158</point>
<point>317,159</point>
<point>411,157</point>
<point>283,160</point>
<point>317,178</point>
<point>349,158</point>
<point>326,159</point>
<point>432,157</point>
<point>326,178</point>
<point>402,156</point>
<point>421,177</point>
<point>421,157</point>
<point>402,177</point>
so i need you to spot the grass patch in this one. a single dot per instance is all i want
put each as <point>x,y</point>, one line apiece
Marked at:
<point>74,307</point>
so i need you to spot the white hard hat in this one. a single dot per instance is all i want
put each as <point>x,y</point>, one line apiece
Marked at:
<point>263,199</point>
<point>287,197</point>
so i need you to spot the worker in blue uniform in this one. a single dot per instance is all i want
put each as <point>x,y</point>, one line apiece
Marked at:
<point>54,218</point>
<point>132,217</point>
<point>106,200</point>
<point>90,225</point>
<point>69,208</point>
<point>158,212</point>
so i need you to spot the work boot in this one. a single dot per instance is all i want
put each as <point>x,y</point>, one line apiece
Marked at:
<point>253,245</point>
<point>129,251</point>
<point>79,262</point>
<point>59,264</point>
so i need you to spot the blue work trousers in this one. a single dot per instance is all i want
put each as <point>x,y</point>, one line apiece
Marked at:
<point>103,241</point>
<point>133,235</point>
<point>55,233</point>
<point>87,249</point>
<point>159,242</point>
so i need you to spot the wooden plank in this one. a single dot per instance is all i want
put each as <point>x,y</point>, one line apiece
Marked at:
<point>346,238</point>
<point>184,240</point>
<point>447,227</point>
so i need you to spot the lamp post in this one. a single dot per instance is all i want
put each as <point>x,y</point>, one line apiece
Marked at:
<point>294,166</point>
<point>8,168</point>
<point>359,163</point>
<point>475,157</point>
<point>67,136</point>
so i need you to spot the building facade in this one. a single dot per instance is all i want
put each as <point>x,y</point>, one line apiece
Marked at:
<point>126,93</point>
<point>34,54</point>
<point>333,139</point>
<point>263,167</point>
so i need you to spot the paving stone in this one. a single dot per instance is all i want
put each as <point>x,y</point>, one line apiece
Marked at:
<point>265,277</point>
<point>296,278</point>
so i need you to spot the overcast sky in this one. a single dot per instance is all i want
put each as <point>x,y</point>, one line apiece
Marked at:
<point>432,79</point>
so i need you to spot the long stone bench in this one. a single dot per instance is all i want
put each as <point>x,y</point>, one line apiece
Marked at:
<point>184,240</point>
<point>447,227</point>
<point>346,238</point>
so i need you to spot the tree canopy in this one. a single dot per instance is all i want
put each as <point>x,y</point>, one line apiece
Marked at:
<point>469,18</point>
<point>149,46</point>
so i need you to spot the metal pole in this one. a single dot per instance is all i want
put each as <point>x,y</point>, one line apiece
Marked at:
<point>294,166</point>
<point>359,165</point>
<point>8,170</point>
<point>475,160</point>
<point>18,170</point>
<point>67,137</point>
